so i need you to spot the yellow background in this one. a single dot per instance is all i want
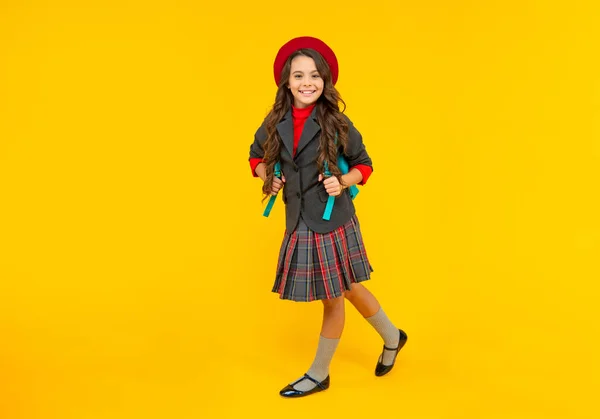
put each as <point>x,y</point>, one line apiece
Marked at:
<point>136,265</point>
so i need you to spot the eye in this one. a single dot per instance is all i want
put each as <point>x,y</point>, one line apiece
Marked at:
<point>316,76</point>
<point>297,76</point>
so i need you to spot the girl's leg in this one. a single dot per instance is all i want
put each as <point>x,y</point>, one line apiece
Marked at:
<point>363,300</point>
<point>331,331</point>
<point>368,306</point>
<point>334,316</point>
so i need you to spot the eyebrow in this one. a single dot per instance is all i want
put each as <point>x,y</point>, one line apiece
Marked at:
<point>298,71</point>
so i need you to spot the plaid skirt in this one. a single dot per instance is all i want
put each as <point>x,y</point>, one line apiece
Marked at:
<point>314,266</point>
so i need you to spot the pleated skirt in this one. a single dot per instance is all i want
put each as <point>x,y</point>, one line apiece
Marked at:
<point>314,266</point>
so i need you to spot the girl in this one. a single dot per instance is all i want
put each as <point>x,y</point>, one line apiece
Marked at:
<point>319,259</point>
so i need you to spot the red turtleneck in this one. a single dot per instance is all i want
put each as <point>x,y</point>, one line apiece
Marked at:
<point>299,116</point>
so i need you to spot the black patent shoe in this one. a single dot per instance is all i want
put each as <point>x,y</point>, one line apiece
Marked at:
<point>290,391</point>
<point>381,369</point>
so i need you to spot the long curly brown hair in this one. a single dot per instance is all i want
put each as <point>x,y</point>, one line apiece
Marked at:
<point>329,118</point>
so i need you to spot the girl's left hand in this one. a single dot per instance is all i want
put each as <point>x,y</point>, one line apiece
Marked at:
<point>332,185</point>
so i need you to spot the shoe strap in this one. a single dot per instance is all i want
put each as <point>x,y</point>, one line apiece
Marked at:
<point>396,348</point>
<point>308,377</point>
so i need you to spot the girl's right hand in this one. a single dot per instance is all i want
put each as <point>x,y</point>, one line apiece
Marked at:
<point>277,184</point>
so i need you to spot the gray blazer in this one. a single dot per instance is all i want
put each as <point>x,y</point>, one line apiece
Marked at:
<point>303,194</point>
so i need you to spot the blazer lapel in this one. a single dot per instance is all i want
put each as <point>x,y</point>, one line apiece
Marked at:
<point>286,132</point>
<point>311,129</point>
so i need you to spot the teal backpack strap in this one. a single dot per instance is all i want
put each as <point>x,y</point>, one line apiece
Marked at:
<point>273,198</point>
<point>344,168</point>
<point>331,199</point>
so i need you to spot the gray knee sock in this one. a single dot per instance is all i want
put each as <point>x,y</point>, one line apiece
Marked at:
<point>388,332</point>
<point>319,370</point>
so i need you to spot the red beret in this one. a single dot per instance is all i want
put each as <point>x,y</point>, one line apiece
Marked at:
<point>305,42</point>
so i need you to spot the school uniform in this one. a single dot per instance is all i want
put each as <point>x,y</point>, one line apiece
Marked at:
<point>318,259</point>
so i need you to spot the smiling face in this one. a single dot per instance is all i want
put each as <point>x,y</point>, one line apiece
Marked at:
<point>305,82</point>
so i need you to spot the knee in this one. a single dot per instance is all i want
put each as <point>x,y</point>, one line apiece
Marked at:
<point>334,303</point>
<point>353,294</point>
<point>350,295</point>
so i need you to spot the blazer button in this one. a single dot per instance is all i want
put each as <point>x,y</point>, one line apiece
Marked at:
<point>298,194</point>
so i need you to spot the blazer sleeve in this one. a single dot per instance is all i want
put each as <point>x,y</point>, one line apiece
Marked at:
<point>256,148</point>
<point>356,152</point>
